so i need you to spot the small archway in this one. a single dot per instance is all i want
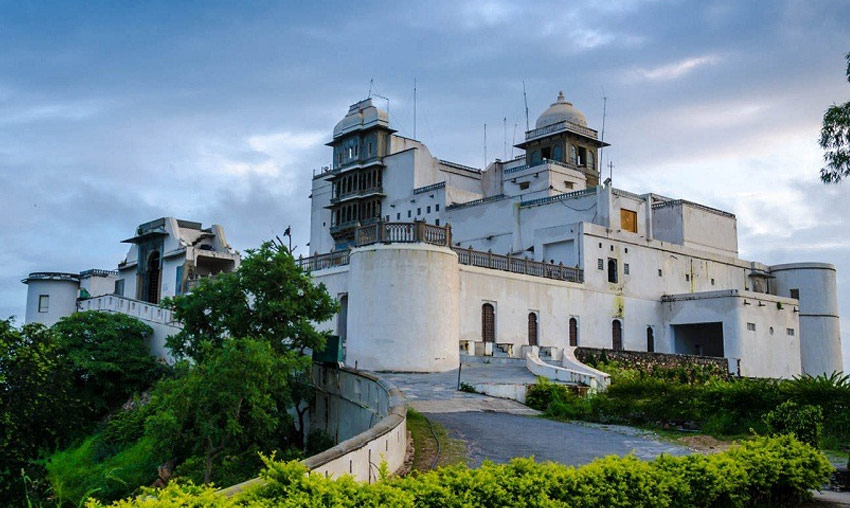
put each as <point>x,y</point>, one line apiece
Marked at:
<point>617,335</point>
<point>650,339</point>
<point>573,332</point>
<point>532,329</point>
<point>152,278</point>
<point>488,323</point>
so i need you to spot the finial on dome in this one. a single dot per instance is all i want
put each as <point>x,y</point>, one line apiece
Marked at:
<point>561,96</point>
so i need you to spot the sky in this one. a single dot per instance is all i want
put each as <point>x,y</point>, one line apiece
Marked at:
<point>116,113</point>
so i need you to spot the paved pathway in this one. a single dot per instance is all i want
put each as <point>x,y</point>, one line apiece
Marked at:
<point>499,429</point>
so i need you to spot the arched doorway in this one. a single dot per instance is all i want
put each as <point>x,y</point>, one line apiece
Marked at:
<point>617,335</point>
<point>532,329</point>
<point>650,339</point>
<point>152,278</point>
<point>573,332</point>
<point>488,323</point>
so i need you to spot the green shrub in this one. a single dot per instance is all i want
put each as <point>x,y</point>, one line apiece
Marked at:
<point>803,422</point>
<point>544,393</point>
<point>466,387</point>
<point>93,470</point>
<point>777,471</point>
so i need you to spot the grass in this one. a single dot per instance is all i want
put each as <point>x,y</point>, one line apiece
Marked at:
<point>452,451</point>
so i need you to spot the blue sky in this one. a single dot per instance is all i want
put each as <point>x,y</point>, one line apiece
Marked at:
<point>115,113</point>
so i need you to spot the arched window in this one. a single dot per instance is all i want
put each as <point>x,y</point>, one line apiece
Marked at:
<point>488,323</point>
<point>573,332</point>
<point>650,339</point>
<point>532,329</point>
<point>573,154</point>
<point>617,335</point>
<point>612,270</point>
<point>558,153</point>
<point>152,278</point>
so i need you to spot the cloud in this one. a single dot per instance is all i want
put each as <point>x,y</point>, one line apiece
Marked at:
<point>673,70</point>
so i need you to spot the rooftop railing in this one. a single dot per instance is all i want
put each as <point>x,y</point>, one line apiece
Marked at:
<point>420,232</point>
<point>563,125</point>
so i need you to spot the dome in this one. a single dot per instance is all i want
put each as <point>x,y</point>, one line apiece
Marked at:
<point>360,115</point>
<point>560,111</point>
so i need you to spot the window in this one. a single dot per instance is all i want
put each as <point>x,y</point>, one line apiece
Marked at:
<point>418,212</point>
<point>437,207</point>
<point>612,270</point>
<point>558,153</point>
<point>625,268</point>
<point>428,209</point>
<point>770,330</point>
<point>628,220</point>
<point>600,264</point>
<point>568,185</point>
<point>712,282</point>
<point>408,214</point>
<point>582,156</point>
<point>687,277</point>
<point>660,273</point>
<point>751,327</point>
<point>590,159</point>
<point>546,152</point>
<point>524,185</point>
<point>795,293</point>
<point>532,329</point>
<point>119,287</point>
<point>398,216</point>
<point>437,222</point>
<point>789,331</point>
<point>43,303</point>
<point>573,332</point>
<point>573,154</point>
<point>369,150</point>
<point>650,339</point>
<point>617,335</point>
<point>488,323</point>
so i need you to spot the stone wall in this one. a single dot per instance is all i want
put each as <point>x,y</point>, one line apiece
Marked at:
<point>647,362</point>
<point>366,413</point>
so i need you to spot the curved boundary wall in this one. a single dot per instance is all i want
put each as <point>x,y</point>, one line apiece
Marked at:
<point>367,412</point>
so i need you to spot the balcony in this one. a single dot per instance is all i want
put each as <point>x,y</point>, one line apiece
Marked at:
<point>362,193</point>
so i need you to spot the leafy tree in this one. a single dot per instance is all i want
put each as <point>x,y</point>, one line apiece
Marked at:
<point>835,139</point>
<point>109,357</point>
<point>268,298</point>
<point>39,410</point>
<point>226,409</point>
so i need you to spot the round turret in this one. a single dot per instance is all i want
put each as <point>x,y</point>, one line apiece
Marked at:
<point>561,111</point>
<point>51,296</point>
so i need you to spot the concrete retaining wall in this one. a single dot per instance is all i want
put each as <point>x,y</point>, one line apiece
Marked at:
<point>367,412</point>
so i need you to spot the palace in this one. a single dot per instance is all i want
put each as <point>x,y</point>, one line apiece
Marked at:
<point>432,260</point>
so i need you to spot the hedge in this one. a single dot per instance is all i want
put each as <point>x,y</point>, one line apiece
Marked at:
<point>767,471</point>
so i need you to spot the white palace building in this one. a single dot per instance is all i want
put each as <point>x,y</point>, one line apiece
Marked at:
<point>431,259</point>
<point>529,258</point>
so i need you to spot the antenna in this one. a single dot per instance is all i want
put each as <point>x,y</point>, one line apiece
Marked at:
<point>525,99</point>
<point>414,108</point>
<point>505,122</point>
<point>610,171</point>
<point>604,114</point>
<point>371,82</point>
<point>485,146</point>
<point>513,142</point>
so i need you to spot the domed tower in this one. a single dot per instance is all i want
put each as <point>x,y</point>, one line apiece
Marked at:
<point>561,134</point>
<point>361,140</point>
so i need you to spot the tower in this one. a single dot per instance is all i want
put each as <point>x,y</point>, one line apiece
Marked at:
<point>561,134</point>
<point>360,142</point>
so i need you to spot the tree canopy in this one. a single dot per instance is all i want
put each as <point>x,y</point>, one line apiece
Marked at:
<point>108,355</point>
<point>268,298</point>
<point>835,140</point>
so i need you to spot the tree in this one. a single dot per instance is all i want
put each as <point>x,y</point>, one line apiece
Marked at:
<point>835,140</point>
<point>226,409</point>
<point>39,410</point>
<point>268,298</point>
<point>109,357</point>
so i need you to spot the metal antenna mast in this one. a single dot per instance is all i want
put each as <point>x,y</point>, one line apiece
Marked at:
<point>485,146</point>
<point>414,108</point>
<point>505,122</point>
<point>604,114</point>
<point>513,142</point>
<point>525,99</point>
